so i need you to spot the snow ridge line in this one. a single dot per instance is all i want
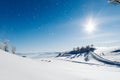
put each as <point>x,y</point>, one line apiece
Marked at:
<point>106,61</point>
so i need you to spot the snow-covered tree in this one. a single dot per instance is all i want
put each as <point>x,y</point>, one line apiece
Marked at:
<point>5,45</point>
<point>114,1</point>
<point>13,49</point>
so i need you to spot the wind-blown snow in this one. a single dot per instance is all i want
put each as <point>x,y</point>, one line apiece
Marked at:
<point>13,67</point>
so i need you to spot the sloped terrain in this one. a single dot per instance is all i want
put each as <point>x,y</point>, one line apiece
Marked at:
<point>112,54</point>
<point>13,67</point>
<point>110,57</point>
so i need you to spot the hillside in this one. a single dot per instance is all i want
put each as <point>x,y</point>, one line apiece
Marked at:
<point>18,68</point>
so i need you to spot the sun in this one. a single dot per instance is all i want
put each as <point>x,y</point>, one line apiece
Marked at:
<point>90,26</point>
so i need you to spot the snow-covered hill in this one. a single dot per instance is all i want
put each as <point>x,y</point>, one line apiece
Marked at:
<point>99,56</point>
<point>113,55</point>
<point>14,67</point>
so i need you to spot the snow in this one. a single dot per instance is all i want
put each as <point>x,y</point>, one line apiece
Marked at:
<point>13,67</point>
<point>38,55</point>
<point>109,54</point>
<point>113,58</point>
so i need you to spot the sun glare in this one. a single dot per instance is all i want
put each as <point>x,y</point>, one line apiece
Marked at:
<point>90,26</point>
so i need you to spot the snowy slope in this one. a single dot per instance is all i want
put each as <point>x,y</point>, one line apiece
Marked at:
<point>100,57</point>
<point>13,67</point>
<point>110,54</point>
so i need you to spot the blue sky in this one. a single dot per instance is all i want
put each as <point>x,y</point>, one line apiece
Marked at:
<point>58,25</point>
